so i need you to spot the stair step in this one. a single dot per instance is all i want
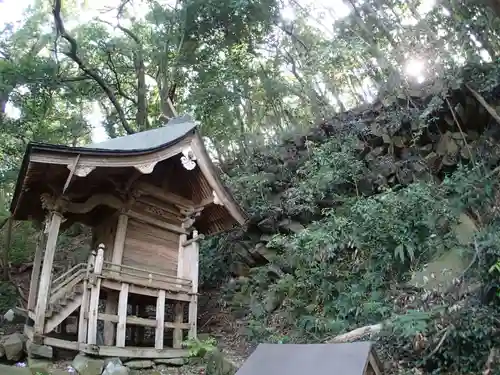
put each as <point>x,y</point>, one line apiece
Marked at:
<point>58,312</point>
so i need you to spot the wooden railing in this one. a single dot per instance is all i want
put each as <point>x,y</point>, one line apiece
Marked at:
<point>67,281</point>
<point>142,277</point>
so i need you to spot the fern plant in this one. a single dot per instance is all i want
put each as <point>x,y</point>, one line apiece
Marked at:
<point>198,348</point>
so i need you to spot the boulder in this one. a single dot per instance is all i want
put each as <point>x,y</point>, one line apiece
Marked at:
<point>170,361</point>
<point>86,365</point>
<point>15,316</point>
<point>267,225</point>
<point>218,364</point>
<point>138,365</point>
<point>440,272</point>
<point>10,370</point>
<point>291,226</point>
<point>114,366</point>
<point>13,346</point>
<point>39,351</point>
<point>39,366</point>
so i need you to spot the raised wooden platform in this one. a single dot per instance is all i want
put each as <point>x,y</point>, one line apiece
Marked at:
<point>113,351</point>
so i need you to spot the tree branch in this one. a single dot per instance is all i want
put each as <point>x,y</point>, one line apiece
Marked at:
<point>72,54</point>
<point>122,93</point>
<point>142,106</point>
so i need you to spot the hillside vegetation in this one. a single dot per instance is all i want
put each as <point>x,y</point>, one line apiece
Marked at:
<point>361,136</point>
<point>384,215</point>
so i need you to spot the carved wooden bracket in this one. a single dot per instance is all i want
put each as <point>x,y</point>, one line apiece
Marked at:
<point>64,205</point>
<point>217,201</point>
<point>188,159</point>
<point>146,168</point>
<point>190,217</point>
<point>81,170</point>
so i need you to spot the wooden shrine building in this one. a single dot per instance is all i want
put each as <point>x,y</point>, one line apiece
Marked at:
<point>148,198</point>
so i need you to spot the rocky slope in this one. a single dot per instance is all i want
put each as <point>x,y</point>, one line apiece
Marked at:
<point>346,192</point>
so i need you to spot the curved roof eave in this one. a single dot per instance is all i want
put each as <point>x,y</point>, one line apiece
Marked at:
<point>152,141</point>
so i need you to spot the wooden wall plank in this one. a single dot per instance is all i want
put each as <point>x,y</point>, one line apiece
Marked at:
<point>150,248</point>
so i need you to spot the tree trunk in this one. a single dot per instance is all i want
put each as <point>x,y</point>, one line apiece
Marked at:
<point>6,250</point>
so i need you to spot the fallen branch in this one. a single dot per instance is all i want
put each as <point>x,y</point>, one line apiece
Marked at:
<point>483,102</point>
<point>441,341</point>
<point>357,333</point>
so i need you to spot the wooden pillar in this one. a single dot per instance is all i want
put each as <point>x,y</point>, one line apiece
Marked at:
<point>35,271</point>
<point>84,308</point>
<point>188,268</point>
<point>140,329</point>
<point>116,258</point>
<point>111,308</point>
<point>160,319</point>
<point>121,327</point>
<point>119,244</point>
<point>133,334</point>
<point>44,286</point>
<point>178,311</point>
<point>178,319</point>
<point>94,296</point>
<point>191,255</point>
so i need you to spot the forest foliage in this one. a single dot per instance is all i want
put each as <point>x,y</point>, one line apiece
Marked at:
<point>260,76</point>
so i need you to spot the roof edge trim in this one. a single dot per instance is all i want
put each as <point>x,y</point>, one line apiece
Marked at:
<point>207,168</point>
<point>70,152</point>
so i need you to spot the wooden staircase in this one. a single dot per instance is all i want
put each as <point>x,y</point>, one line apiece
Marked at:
<point>65,297</point>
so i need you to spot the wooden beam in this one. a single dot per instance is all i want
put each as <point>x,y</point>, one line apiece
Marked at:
<point>133,352</point>
<point>44,286</point>
<point>144,290</point>
<point>35,271</point>
<point>156,222</point>
<point>142,322</point>
<point>63,344</point>
<point>72,169</point>
<point>160,319</point>
<point>122,316</point>
<point>165,196</point>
